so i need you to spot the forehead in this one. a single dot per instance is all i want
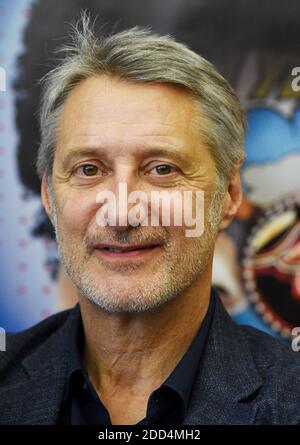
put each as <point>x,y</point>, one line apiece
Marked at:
<point>104,109</point>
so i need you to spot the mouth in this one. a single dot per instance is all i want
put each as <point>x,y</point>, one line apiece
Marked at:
<point>119,252</point>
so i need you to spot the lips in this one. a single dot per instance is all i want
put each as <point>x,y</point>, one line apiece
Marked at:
<point>117,251</point>
<point>124,249</point>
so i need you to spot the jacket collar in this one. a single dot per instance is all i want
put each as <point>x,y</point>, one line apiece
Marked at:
<point>227,376</point>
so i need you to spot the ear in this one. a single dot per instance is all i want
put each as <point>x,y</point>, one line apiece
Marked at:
<point>233,197</point>
<point>45,198</point>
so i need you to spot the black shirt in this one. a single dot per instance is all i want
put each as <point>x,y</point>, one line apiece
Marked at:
<point>166,405</point>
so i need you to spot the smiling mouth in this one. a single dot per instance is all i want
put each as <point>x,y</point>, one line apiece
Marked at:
<point>126,251</point>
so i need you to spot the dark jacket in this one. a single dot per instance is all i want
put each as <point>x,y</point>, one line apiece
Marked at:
<point>245,376</point>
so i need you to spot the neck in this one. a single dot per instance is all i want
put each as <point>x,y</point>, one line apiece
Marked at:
<point>136,352</point>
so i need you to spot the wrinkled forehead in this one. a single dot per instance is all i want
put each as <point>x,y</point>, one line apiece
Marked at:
<point>109,112</point>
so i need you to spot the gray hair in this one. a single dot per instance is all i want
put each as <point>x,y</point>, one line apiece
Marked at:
<point>139,55</point>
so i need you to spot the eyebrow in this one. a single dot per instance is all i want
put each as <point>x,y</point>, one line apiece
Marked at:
<point>81,152</point>
<point>100,152</point>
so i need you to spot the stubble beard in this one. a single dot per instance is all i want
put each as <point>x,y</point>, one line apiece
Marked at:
<point>178,269</point>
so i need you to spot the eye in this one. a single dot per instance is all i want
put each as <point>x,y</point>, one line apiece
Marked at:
<point>162,169</point>
<point>87,170</point>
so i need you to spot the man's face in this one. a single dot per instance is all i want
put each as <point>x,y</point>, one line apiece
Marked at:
<point>144,135</point>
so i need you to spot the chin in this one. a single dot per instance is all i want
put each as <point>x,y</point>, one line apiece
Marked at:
<point>124,305</point>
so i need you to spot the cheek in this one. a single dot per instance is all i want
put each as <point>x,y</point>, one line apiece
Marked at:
<point>178,241</point>
<point>77,213</point>
<point>184,208</point>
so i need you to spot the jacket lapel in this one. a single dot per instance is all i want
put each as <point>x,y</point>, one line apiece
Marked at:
<point>226,378</point>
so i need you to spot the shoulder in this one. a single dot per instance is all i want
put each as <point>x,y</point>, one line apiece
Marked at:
<point>279,368</point>
<point>255,368</point>
<point>22,344</point>
<point>269,352</point>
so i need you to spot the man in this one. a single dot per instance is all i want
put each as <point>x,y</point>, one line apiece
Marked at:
<point>150,341</point>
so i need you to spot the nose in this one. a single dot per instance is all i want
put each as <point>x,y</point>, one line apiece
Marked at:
<point>128,203</point>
